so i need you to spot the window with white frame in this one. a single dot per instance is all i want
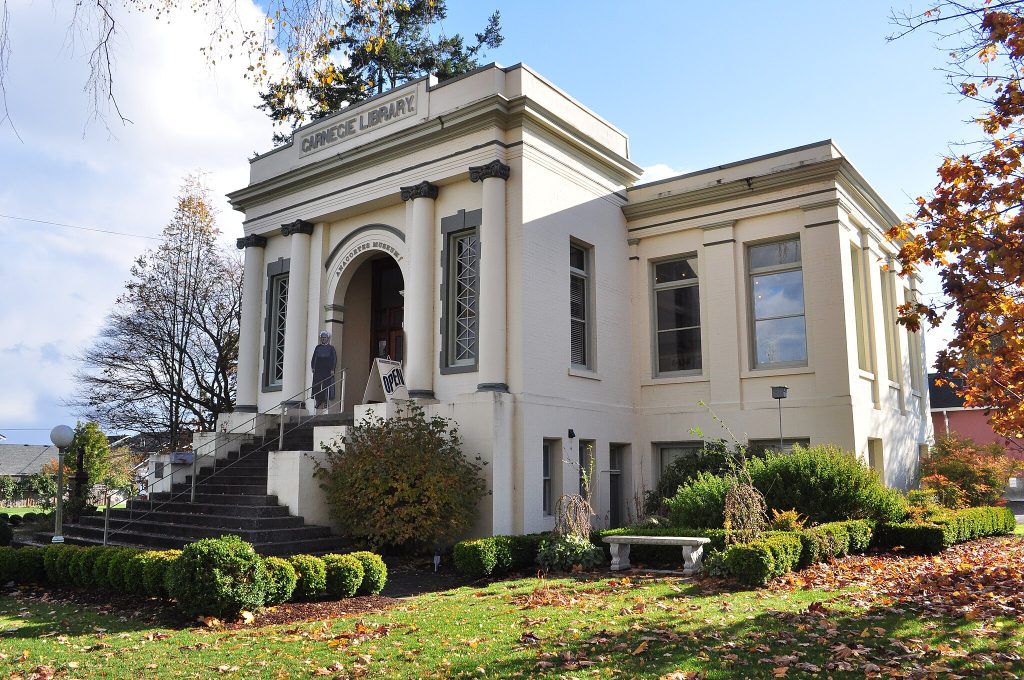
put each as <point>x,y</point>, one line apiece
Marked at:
<point>549,458</point>
<point>618,460</point>
<point>777,294</point>
<point>580,350</point>
<point>892,351</point>
<point>463,291</point>
<point>668,452</point>
<point>278,312</point>
<point>677,316</point>
<point>860,309</point>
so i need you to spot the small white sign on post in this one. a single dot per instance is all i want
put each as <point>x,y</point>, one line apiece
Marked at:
<point>386,382</point>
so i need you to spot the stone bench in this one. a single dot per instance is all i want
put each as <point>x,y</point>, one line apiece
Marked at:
<point>693,549</point>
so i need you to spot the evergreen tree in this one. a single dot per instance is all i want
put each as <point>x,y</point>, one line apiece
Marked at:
<point>381,45</point>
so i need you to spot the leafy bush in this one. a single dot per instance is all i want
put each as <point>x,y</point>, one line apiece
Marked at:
<point>135,571</point>
<point>568,553</point>
<point>760,561</point>
<point>6,533</point>
<point>787,520</point>
<point>81,567</point>
<point>714,458</point>
<point>15,520</point>
<point>30,564</point>
<point>963,473</point>
<point>700,502</point>
<point>375,572</point>
<point>344,575</point>
<point>50,555</point>
<point>280,580</point>
<point>826,484</point>
<point>475,558</point>
<point>955,527</point>
<point>311,575</point>
<point>118,570</point>
<point>8,565</point>
<point>157,571</point>
<point>218,577</point>
<point>64,575</point>
<point>497,555</point>
<point>403,481</point>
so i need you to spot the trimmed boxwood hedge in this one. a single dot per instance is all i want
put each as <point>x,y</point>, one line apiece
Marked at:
<point>311,573</point>
<point>375,572</point>
<point>218,577</point>
<point>496,555</point>
<point>8,565</point>
<point>281,580</point>
<point>760,561</point>
<point>30,564</point>
<point>955,526</point>
<point>344,575</point>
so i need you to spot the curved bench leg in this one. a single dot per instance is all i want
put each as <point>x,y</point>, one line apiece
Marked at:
<point>620,556</point>
<point>693,559</point>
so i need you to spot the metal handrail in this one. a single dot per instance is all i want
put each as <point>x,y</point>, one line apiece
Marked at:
<point>243,428</point>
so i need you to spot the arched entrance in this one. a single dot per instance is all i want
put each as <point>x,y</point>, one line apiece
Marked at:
<point>370,296</point>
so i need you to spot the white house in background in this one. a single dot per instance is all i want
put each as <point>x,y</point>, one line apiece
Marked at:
<point>488,232</point>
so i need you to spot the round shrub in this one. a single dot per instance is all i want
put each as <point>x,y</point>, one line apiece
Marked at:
<point>281,580</point>
<point>65,575</point>
<point>700,502</point>
<point>156,573</point>
<point>344,575</point>
<point>50,555</point>
<point>826,484</point>
<point>218,577</point>
<point>135,569</point>
<point>117,570</point>
<point>569,553</point>
<point>101,568</point>
<point>15,520</point>
<point>6,533</point>
<point>424,491</point>
<point>5,516</point>
<point>80,567</point>
<point>8,565</point>
<point>30,564</point>
<point>375,572</point>
<point>311,575</point>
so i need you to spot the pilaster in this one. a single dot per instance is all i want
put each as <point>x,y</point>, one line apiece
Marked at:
<point>493,282</point>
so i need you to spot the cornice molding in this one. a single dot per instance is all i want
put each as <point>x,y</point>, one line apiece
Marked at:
<point>422,190</point>
<point>297,227</point>
<point>251,241</point>
<point>743,188</point>
<point>495,169</point>
<point>494,111</point>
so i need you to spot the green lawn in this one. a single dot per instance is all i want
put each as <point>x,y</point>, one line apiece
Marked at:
<point>651,627</point>
<point>23,510</point>
<point>1019,530</point>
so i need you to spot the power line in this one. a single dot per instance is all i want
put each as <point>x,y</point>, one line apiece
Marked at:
<point>75,226</point>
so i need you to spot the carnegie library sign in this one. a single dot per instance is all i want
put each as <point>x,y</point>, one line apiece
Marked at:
<point>385,113</point>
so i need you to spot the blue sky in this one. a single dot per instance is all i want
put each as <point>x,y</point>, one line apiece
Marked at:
<point>693,84</point>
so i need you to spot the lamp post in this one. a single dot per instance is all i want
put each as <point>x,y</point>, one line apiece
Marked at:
<point>780,392</point>
<point>61,437</point>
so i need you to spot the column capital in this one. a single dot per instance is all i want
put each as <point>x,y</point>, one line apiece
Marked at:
<point>251,241</point>
<point>422,190</point>
<point>297,227</point>
<point>495,168</point>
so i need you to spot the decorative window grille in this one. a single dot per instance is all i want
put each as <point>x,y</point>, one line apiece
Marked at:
<point>677,315</point>
<point>777,294</point>
<point>579,306</point>
<point>463,294</point>
<point>278,313</point>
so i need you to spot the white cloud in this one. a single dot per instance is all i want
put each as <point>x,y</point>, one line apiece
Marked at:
<point>61,283</point>
<point>652,173</point>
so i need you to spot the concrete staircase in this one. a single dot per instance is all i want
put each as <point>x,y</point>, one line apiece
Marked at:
<point>231,498</point>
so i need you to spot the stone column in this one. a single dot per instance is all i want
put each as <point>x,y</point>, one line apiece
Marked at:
<point>419,291</point>
<point>296,354</point>
<point>493,294</point>
<point>249,327</point>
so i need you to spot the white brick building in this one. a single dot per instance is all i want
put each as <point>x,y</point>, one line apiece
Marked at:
<point>487,232</point>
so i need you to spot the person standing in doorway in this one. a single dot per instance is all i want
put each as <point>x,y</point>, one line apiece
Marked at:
<point>325,359</point>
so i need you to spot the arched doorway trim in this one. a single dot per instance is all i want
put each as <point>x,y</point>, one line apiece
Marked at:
<point>364,243</point>
<point>356,234</point>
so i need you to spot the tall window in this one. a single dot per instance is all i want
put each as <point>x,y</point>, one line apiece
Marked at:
<point>860,309</point>
<point>275,330</point>
<point>618,455</point>
<point>579,306</point>
<point>677,312</point>
<point>892,354</point>
<point>463,290</point>
<point>548,460</point>
<point>777,291</point>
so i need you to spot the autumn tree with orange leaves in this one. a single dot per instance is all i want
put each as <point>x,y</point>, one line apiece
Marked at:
<point>972,227</point>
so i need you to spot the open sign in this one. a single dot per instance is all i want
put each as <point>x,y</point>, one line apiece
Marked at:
<point>386,382</point>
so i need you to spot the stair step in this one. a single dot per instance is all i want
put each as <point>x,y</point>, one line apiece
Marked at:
<point>229,477</point>
<point>217,498</point>
<point>218,509</point>
<point>222,487</point>
<point>207,519</point>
